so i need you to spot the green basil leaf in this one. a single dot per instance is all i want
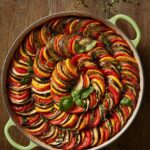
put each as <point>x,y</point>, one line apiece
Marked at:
<point>25,79</point>
<point>86,92</point>
<point>24,120</point>
<point>75,93</point>
<point>94,55</point>
<point>127,102</point>
<point>81,50</point>
<point>46,94</point>
<point>31,70</point>
<point>79,102</point>
<point>30,63</point>
<point>105,41</point>
<point>66,103</point>
<point>77,46</point>
<point>91,45</point>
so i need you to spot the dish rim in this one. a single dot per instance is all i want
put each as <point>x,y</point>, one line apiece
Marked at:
<point>41,21</point>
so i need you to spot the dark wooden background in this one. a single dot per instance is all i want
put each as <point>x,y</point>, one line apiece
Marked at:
<point>16,15</point>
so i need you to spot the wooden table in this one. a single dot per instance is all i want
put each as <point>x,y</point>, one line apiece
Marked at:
<point>16,15</point>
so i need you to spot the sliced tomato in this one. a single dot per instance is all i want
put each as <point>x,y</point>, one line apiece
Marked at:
<point>96,35</point>
<point>114,93</point>
<point>71,143</point>
<point>41,57</point>
<point>93,100</point>
<point>84,24</point>
<point>59,121</point>
<point>131,67</point>
<point>120,53</point>
<point>29,46</point>
<point>76,109</point>
<point>42,129</point>
<point>86,81</point>
<point>53,137</point>
<point>71,122</point>
<point>87,68</point>
<point>71,44</point>
<point>20,95</point>
<point>23,108</point>
<point>50,113</point>
<point>71,25</point>
<point>29,119</point>
<point>55,96</point>
<point>40,38</point>
<point>39,73</point>
<point>86,142</point>
<point>106,133</point>
<point>59,73</point>
<point>20,70</point>
<point>59,82</point>
<point>42,99</point>
<point>117,122</point>
<point>59,47</point>
<point>56,43</point>
<point>85,121</point>
<point>33,119</point>
<point>77,57</point>
<point>97,118</point>
<point>126,112</point>
<point>108,71</point>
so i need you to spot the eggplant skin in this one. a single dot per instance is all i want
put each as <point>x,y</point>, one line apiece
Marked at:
<point>73,53</point>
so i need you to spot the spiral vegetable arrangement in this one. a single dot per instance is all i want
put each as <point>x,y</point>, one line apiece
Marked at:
<point>73,82</point>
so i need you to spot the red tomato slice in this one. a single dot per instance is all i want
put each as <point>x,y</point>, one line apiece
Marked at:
<point>29,46</point>
<point>49,114</point>
<point>23,108</point>
<point>85,23</point>
<point>33,119</point>
<point>114,93</point>
<point>59,121</point>
<point>97,118</point>
<point>93,100</point>
<point>77,57</point>
<point>43,100</point>
<point>47,87</point>
<point>40,132</point>
<point>41,58</point>
<point>76,109</point>
<point>19,96</point>
<point>106,134</point>
<point>20,70</point>
<point>71,144</point>
<point>86,142</point>
<point>108,71</point>
<point>117,122</point>
<point>120,54</point>
<point>71,46</point>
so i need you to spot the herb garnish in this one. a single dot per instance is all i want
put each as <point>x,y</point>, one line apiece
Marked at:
<point>77,97</point>
<point>28,77</point>
<point>105,41</point>
<point>25,79</point>
<point>127,102</point>
<point>86,47</point>
<point>79,48</point>
<point>107,4</point>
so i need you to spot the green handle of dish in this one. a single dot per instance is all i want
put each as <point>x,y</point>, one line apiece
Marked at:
<point>9,124</point>
<point>132,22</point>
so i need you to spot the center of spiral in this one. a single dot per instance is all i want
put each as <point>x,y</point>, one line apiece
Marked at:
<point>78,75</point>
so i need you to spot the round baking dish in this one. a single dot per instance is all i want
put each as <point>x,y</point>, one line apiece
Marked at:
<point>110,23</point>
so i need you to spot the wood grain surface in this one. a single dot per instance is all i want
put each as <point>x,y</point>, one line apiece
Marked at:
<point>16,15</point>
